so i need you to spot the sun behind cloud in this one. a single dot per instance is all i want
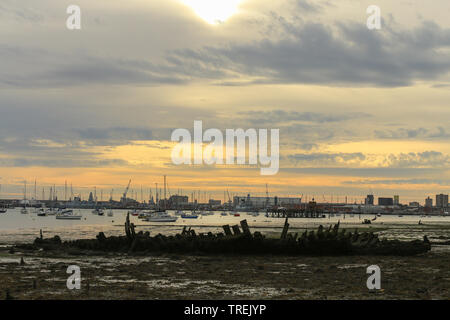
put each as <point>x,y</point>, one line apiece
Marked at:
<point>214,11</point>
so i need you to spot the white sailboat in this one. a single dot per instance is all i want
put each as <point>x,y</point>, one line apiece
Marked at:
<point>3,209</point>
<point>160,216</point>
<point>67,214</point>
<point>24,209</point>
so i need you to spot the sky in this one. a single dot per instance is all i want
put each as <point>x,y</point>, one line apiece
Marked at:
<point>359,111</point>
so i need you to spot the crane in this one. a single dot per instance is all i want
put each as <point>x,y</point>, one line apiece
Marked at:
<point>124,197</point>
<point>229,199</point>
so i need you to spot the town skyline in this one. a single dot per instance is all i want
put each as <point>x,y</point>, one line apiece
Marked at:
<point>357,109</point>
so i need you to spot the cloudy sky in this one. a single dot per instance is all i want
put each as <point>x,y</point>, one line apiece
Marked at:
<point>358,110</point>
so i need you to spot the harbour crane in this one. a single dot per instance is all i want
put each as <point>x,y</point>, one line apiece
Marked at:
<point>229,199</point>
<point>124,197</point>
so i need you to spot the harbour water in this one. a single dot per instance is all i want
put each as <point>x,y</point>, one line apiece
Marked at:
<point>16,227</point>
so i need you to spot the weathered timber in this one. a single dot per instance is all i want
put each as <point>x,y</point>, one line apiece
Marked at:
<point>245,228</point>
<point>285,229</point>
<point>323,241</point>
<point>227,230</point>
<point>236,230</point>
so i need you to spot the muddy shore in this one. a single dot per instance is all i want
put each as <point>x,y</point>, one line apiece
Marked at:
<point>121,276</point>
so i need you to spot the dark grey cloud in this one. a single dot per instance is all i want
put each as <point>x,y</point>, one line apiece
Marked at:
<point>43,68</point>
<point>19,12</point>
<point>304,53</point>
<point>442,182</point>
<point>114,136</point>
<point>378,172</point>
<point>419,159</point>
<point>413,133</point>
<point>316,54</point>
<point>324,158</point>
<point>278,116</point>
<point>61,162</point>
<point>308,6</point>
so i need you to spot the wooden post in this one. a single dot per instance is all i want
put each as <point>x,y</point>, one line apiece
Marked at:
<point>227,230</point>
<point>236,230</point>
<point>245,228</point>
<point>285,229</point>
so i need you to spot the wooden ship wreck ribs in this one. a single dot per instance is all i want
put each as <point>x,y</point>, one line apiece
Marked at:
<point>240,240</point>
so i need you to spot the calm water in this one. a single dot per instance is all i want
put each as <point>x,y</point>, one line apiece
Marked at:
<point>17,227</point>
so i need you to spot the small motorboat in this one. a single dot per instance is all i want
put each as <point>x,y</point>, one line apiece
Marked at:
<point>189,216</point>
<point>67,215</point>
<point>3,210</point>
<point>223,214</point>
<point>98,211</point>
<point>161,216</point>
<point>134,213</point>
<point>236,214</point>
<point>24,211</point>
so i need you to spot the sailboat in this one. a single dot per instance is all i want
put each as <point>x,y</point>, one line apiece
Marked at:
<point>24,209</point>
<point>161,215</point>
<point>67,215</point>
<point>2,209</point>
<point>191,215</point>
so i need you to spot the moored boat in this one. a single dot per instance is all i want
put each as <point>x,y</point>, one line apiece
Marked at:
<point>161,216</point>
<point>67,214</point>
<point>189,216</point>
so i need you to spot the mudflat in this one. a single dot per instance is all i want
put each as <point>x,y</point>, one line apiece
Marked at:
<point>43,275</point>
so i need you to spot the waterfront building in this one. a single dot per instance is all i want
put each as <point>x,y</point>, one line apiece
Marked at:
<point>396,200</point>
<point>369,200</point>
<point>442,200</point>
<point>385,201</point>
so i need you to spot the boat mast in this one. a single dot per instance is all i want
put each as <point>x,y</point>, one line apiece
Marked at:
<point>165,200</point>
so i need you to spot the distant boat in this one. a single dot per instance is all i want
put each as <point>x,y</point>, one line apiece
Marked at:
<point>189,216</point>
<point>24,209</point>
<point>67,215</point>
<point>41,212</point>
<point>110,213</point>
<point>400,216</point>
<point>237,214</point>
<point>179,213</point>
<point>161,217</point>
<point>3,210</point>
<point>134,212</point>
<point>223,214</point>
<point>98,211</point>
<point>379,215</point>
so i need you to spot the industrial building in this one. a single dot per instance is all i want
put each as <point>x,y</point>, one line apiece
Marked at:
<point>385,201</point>
<point>442,200</point>
<point>263,202</point>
